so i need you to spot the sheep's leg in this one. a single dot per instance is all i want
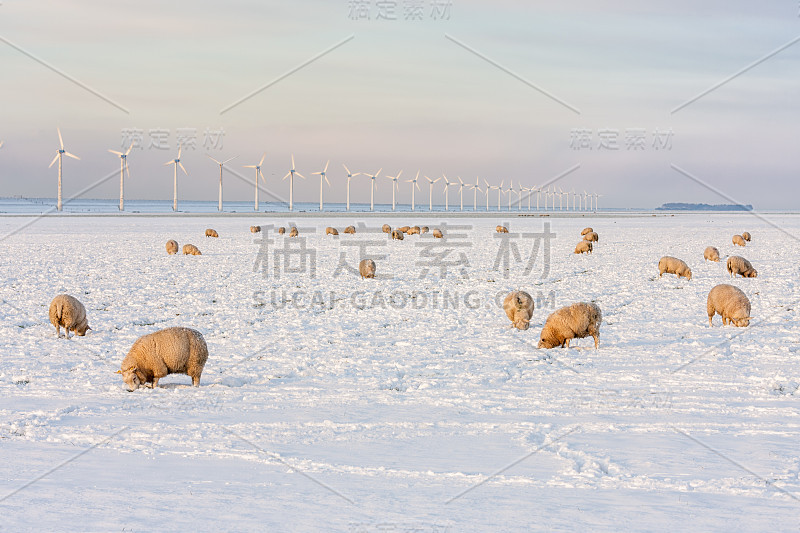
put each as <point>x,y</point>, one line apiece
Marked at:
<point>195,381</point>
<point>66,332</point>
<point>58,331</point>
<point>155,382</point>
<point>709,320</point>
<point>596,340</point>
<point>566,343</point>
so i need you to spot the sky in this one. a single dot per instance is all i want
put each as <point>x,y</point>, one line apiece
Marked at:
<point>502,90</point>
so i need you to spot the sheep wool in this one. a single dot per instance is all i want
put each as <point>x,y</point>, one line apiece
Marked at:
<point>738,240</point>
<point>173,350</point>
<point>673,265</point>
<point>730,303</point>
<point>583,247</point>
<point>575,321</point>
<point>172,247</point>
<point>191,249</point>
<point>366,268</point>
<point>740,265</point>
<point>518,306</point>
<point>67,311</point>
<point>711,254</point>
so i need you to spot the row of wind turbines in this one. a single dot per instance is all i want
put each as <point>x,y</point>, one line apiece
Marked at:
<point>581,201</point>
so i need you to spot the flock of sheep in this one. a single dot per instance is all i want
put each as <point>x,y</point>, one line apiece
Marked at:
<point>180,350</point>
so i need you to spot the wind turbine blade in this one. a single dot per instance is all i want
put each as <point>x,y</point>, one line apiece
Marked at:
<point>2,143</point>
<point>326,166</point>
<point>112,151</point>
<point>347,170</point>
<point>249,166</point>
<point>73,156</point>
<point>127,170</point>
<point>54,161</point>
<point>184,170</point>
<point>180,147</point>
<point>417,184</point>
<point>378,172</point>
<point>501,184</point>
<point>292,161</point>
<point>263,157</point>
<point>327,181</point>
<point>398,174</point>
<point>214,160</point>
<point>128,151</point>
<point>314,173</point>
<point>298,174</point>
<point>262,176</point>
<point>487,184</point>
<point>287,175</point>
<point>459,180</point>
<point>60,140</point>
<point>230,159</point>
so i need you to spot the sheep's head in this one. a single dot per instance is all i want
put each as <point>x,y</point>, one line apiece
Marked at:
<point>82,328</point>
<point>752,273</point>
<point>522,323</point>
<point>132,378</point>
<point>741,322</point>
<point>688,274</point>
<point>546,344</point>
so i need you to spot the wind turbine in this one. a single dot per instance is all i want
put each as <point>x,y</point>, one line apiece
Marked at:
<point>447,185</point>
<point>290,175</point>
<point>430,192</point>
<point>350,176</point>
<point>488,188</point>
<point>596,196</point>
<point>585,198</point>
<point>322,176</point>
<point>177,163</point>
<point>123,166</point>
<point>395,187</point>
<point>560,199</point>
<point>509,191</point>
<point>220,163</point>
<point>528,190</point>
<point>461,186</point>
<point>476,189</point>
<point>258,173</point>
<point>573,198</point>
<point>59,155</point>
<point>372,189</point>
<point>413,184</point>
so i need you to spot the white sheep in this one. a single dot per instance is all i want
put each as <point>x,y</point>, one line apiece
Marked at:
<point>404,229</point>
<point>738,240</point>
<point>583,247</point>
<point>501,229</point>
<point>413,231</point>
<point>386,228</point>
<point>191,249</point>
<point>255,229</point>
<point>211,233</point>
<point>423,230</point>
<point>740,265</point>
<point>575,321</point>
<point>331,231</point>
<point>711,254</point>
<point>293,232</point>
<point>67,311</point>
<point>673,265</point>
<point>397,235</point>
<point>172,247</point>
<point>168,351</point>
<point>366,268</point>
<point>350,229</point>
<point>437,233</point>
<point>518,306</point>
<point>586,230</point>
<point>746,236</point>
<point>281,230</point>
<point>729,302</point>
<point>591,236</point>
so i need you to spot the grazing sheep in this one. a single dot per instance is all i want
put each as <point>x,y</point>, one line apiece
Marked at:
<point>293,232</point>
<point>575,321</point>
<point>397,235</point>
<point>386,228</point>
<point>255,229</point>
<point>673,265</point>
<point>423,229</point>
<point>501,229</point>
<point>591,236</point>
<point>730,303</point>
<point>711,254</point>
<point>586,230</point>
<point>740,265</point>
<point>190,249</point>
<point>172,247</point>
<point>67,311</point>
<point>746,236</point>
<point>168,351</point>
<point>404,229</point>
<point>331,231</point>
<point>438,234</point>
<point>583,247</point>
<point>281,230</point>
<point>211,233</point>
<point>350,229</point>
<point>366,268</point>
<point>518,306</point>
<point>738,240</point>
<point>413,231</point>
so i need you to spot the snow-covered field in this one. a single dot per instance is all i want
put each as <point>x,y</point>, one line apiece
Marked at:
<point>404,403</point>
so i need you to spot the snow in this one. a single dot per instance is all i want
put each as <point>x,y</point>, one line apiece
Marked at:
<point>399,404</point>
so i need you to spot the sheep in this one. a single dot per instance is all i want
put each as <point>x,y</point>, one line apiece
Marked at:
<point>173,350</point>
<point>331,231</point>
<point>67,311</point>
<point>172,247</point>
<point>501,229</point>
<point>730,303</point>
<point>711,254</point>
<point>293,232</point>
<point>591,236</point>
<point>738,240</point>
<point>386,228</point>
<point>190,249</point>
<point>423,230</point>
<point>397,235</point>
<point>746,236</point>
<point>211,233</point>
<point>255,229</point>
<point>350,229</point>
<point>740,265</point>
<point>586,230</point>
<point>518,306</point>
<point>438,234</point>
<point>413,231</point>
<point>673,265</point>
<point>281,230</point>
<point>367,268</point>
<point>575,321</point>
<point>404,229</point>
<point>583,247</point>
